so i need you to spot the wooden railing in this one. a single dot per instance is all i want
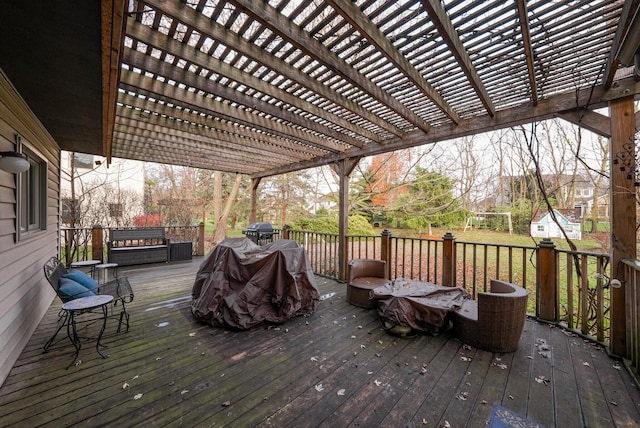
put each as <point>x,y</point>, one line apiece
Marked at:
<point>631,284</point>
<point>565,287</point>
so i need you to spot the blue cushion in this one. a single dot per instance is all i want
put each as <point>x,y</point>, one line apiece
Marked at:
<point>83,279</point>
<point>70,289</point>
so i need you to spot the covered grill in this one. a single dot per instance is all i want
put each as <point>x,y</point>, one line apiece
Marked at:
<point>260,233</point>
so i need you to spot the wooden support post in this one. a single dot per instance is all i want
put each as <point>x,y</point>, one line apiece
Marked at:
<point>96,243</point>
<point>623,211</point>
<point>385,250</point>
<point>343,168</point>
<point>449,260</point>
<point>343,219</point>
<point>200,250</point>
<point>547,284</point>
<point>255,182</point>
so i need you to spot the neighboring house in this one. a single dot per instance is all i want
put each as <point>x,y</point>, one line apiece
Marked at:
<point>543,226</point>
<point>576,192</point>
<point>106,196</point>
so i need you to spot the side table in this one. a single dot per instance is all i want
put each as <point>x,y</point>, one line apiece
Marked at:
<point>78,306</point>
<point>102,272</point>
<point>90,264</point>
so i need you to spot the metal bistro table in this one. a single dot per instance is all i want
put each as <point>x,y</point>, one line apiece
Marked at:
<point>79,306</point>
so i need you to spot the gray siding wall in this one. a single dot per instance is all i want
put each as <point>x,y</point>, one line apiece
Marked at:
<point>24,293</point>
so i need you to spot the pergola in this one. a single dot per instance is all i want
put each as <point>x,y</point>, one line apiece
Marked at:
<point>264,88</point>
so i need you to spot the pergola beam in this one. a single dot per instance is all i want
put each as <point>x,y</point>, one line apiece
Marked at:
<point>271,18</point>
<point>207,27</point>
<point>523,17</point>
<point>352,14</point>
<point>441,20</point>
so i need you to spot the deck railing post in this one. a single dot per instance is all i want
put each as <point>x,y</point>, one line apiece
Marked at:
<point>97,252</point>
<point>546,281</point>
<point>449,260</point>
<point>285,231</point>
<point>385,250</point>
<point>200,251</point>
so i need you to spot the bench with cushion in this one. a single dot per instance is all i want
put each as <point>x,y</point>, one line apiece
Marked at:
<point>138,246</point>
<point>494,321</point>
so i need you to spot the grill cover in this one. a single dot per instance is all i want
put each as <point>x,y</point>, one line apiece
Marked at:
<point>241,284</point>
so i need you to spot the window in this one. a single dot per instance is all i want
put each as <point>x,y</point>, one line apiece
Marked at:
<point>70,213</point>
<point>32,196</point>
<point>82,160</point>
<point>540,228</point>
<point>115,210</point>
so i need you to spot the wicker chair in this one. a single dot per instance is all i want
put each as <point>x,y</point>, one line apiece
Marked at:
<point>495,321</point>
<point>119,288</point>
<point>363,275</point>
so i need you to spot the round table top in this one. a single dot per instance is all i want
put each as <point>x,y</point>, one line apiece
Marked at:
<point>106,265</point>
<point>87,302</point>
<point>85,263</point>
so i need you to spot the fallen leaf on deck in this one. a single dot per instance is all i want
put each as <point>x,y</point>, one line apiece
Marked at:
<point>586,364</point>
<point>424,421</point>
<point>465,359</point>
<point>192,334</point>
<point>226,403</point>
<point>341,391</point>
<point>369,373</point>
<point>446,424</point>
<point>78,363</point>
<point>463,396</point>
<point>353,337</point>
<point>158,358</point>
<point>377,382</point>
<point>617,367</point>
<point>502,366</point>
<point>467,347</point>
<point>137,396</point>
<point>184,391</point>
<point>362,346</point>
<point>319,387</point>
<point>614,403</point>
<point>125,385</point>
<point>314,359</point>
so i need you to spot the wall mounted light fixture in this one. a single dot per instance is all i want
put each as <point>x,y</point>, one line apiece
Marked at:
<point>14,162</point>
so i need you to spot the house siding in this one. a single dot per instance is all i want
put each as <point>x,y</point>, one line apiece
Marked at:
<point>24,293</point>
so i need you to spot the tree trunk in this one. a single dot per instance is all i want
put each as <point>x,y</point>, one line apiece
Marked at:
<point>220,232</point>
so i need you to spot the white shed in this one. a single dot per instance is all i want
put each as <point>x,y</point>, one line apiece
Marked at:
<point>545,227</point>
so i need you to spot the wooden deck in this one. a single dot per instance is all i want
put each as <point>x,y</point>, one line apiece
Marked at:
<point>334,368</point>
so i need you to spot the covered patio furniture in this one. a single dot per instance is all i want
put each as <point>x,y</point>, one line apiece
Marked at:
<point>405,305</point>
<point>495,321</point>
<point>241,284</point>
<point>363,275</point>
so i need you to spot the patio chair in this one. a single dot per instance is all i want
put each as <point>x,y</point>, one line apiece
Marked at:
<point>363,275</point>
<point>494,321</point>
<point>119,288</point>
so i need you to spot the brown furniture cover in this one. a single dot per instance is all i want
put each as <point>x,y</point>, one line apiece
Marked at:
<point>241,284</point>
<point>420,305</point>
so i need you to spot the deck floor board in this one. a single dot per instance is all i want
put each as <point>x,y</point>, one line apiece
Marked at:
<point>335,367</point>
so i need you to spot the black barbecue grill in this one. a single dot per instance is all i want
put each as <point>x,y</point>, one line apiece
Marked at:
<point>260,233</point>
